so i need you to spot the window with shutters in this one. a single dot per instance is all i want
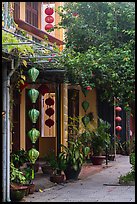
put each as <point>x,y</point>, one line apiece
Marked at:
<point>32,13</point>
<point>16,10</point>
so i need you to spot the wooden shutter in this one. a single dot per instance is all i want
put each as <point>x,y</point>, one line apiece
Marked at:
<point>16,10</point>
<point>32,13</point>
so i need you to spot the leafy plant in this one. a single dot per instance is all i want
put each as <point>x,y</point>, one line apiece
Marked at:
<point>100,137</point>
<point>100,48</point>
<point>16,176</point>
<point>19,157</point>
<point>74,154</point>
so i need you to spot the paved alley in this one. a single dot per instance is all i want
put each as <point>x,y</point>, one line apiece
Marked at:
<point>102,186</point>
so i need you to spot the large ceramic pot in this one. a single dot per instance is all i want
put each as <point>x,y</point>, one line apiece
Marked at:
<point>70,173</point>
<point>97,160</point>
<point>16,194</point>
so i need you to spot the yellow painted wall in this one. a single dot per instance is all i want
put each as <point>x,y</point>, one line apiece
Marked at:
<point>64,113</point>
<point>91,98</point>
<point>22,11</point>
<point>46,145</point>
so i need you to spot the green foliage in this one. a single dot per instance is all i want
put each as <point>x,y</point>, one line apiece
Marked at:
<point>126,179</point>
<point>15,49</point>
<point>74,154</point>
<point>100,137</point>
<point>16,176</point>
<point>100,48</point>
<point>19,157</point>
<point>132,161</point>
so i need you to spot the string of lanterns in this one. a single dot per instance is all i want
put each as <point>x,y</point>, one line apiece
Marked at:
<point>49,18</point>
<point>33,114</point>
<point>118,120</point>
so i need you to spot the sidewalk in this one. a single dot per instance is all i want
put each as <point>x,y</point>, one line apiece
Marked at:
<point>95,184</point>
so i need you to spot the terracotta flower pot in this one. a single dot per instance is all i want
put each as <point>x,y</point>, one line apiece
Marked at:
<point>97,160</point>
<point>57,178</point>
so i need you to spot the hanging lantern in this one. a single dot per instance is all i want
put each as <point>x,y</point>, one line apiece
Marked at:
<point>49,111</point>
<point>49,11</point>
<point>33,114</point>
<point>49,101</point>
<point>33,135</point>
<point>118,108</point>
<point>48,26</point>
<point>43,89</point>
<point>85,105</point>
<point>85,120</point>
<point>33,155</point>
<point>33,94</point>
<point>88,88</point>
<point>33,74</point>
<point>118,128</point>
<point>118,119</point>
<point>49,122</point>
<point>22,86</point>
<point>49,19</point>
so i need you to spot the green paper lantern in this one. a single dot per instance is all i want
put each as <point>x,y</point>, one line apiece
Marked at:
<point>33,94</point>
<point>85,105</point>
<point>85,120</point>
<point>33,155</point>
<point>33,135</point>
<point>33,114</point>
<point>33,74</point>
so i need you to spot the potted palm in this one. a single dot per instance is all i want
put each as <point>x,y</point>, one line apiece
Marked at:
<point>100,141</point>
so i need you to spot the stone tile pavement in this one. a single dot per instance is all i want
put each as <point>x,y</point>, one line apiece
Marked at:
<point>96,184</point>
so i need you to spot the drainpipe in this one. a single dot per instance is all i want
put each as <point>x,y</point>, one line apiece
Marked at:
<point>8,130</point>
<point>4,136</point>
<point>5,13</point>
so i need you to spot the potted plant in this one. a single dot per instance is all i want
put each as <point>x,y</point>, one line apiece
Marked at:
<point>48,163</point>
<point>17,179</point>
<point>100,141</point>
<point>72,157</point>
<point>19,157</point>
<point>58,167</point>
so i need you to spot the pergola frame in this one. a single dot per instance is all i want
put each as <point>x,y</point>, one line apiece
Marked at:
<point>12,59</point>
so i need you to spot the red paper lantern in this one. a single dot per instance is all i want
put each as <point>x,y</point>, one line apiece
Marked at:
<point>49,19</point>
<point>49,11</point>
<point>75,14</point>
<point>43,89</point>
<point>118,128</point>
<point>49,101</point>
<point>118,108</point>
<point>118,119</point>
<point>88,88</point>
<point>22,86</point>
<point>48,26</point>
<point>49,122</point>
<point>49,111</point>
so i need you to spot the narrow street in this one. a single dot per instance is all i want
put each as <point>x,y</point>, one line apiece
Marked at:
<point>98,187</point>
